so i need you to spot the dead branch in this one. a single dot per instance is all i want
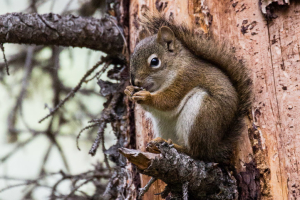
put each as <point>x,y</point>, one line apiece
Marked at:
<point>108,114</point>
<point>53,29</point>
<point>202,180</point>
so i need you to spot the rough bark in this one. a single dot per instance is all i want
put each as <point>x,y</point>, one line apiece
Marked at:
<point>53,29</point>
<point>284,41</point>
<point>203,180</point>
<point>269,150</point>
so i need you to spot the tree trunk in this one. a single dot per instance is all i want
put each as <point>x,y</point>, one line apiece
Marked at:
<point>267,156</point>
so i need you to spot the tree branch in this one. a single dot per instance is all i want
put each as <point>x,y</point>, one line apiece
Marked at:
<point>184,175</point>
<point>53,29</point>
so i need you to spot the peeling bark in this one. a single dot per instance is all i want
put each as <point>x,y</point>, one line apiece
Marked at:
<point>53,29</point>
<point>269,6</point>
<point>266,3</point>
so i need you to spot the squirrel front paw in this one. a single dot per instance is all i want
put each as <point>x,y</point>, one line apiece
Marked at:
<point>130,90</point>
<point>136,94</point>
<point>152,146</point>
<point>142,97</point>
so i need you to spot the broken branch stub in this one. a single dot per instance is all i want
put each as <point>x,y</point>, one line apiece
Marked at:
<point>205,180</point>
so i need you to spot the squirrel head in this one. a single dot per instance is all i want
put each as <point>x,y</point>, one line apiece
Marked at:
<point>155,59</point>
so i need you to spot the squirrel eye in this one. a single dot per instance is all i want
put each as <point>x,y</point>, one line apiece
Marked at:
<point>153,61</point>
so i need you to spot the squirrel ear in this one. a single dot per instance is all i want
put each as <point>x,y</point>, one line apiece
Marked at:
<point>165,36</point>
<point>143,34</point>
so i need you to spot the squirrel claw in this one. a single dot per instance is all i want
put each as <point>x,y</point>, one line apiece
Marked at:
<point>141,96</point>
<point>152,146</point>
<point>159,140</point>
<point>130,90</point>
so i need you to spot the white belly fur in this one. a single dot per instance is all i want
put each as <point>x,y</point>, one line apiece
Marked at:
<point>176,124</point>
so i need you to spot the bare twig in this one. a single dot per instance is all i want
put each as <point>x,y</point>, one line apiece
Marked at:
<point>103,150</point>
<point>67,6</point>
<point>76,188</point>
<point>18,106</point>
<point>51,136</point>
<point>25,182</point>
<point>4,57</point>
<point>18,147</point>
<point>18,58</point>
<point>98,74</point>
<point>72,93</point>
<point>146,188</point>
<point>39,3</point>
<point>98,139</point>
<point>33,6</point>
<point>105,118</point>
<point>82,91</point>
<point>98,173</point>
<point>89,7</point>
<point>41,173</point>
<point>21,184</point>
<point>185,190</point>
<point>106,115</point>
<point>85,128</point>
<point>52,5</point>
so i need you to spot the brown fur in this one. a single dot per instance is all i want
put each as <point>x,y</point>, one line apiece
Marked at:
<point>197,62</point>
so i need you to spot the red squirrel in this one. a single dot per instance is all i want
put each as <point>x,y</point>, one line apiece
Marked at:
<point>196,92</point>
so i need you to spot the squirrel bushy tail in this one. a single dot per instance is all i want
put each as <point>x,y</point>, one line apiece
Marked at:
<point>216,53</point>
